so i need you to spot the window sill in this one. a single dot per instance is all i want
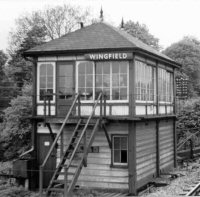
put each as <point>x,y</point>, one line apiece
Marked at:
<point>124,166</point>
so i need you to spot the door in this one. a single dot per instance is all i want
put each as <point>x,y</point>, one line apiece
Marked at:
<point>65,87</point>
<point>44,143</point>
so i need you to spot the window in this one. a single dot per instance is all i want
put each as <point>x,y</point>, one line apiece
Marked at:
<point>110,77</point>
<point>85,80</point>
<point>46,80</point>
<point>120,149</point>
<point>165,85</point>
<point>145,82</point>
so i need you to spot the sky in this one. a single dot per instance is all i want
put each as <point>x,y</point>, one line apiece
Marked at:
<point>167,20</point>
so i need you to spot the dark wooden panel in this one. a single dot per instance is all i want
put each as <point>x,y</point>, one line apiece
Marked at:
<point>166,144</point>
<point>145,149</point>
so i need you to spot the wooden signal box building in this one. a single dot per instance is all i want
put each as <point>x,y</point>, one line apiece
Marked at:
<point>104,111</point>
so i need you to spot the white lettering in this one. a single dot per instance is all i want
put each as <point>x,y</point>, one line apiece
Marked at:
<point>92,56</point>
<point>125,55</point>
<point>106,56</point>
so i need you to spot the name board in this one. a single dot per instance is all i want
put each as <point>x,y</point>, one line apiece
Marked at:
<point>109,56</point>
<point>182,87</point>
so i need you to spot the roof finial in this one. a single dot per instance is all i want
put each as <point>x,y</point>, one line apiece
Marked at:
<point>101,14</point>
<point>122,23</point>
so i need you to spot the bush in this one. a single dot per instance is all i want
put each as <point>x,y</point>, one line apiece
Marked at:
<point>16,126</point>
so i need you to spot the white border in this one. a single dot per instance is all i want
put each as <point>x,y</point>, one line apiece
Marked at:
<point>38,80</point>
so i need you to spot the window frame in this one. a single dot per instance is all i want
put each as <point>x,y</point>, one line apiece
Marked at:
<point>94,81</point>
<point>39,64</point>
<point>169,85</point>
<point>116,164</point>
<point>154,79</point>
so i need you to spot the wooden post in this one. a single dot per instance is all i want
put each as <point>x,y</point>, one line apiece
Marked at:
<point>132,93</point>
<point>104,97</point>
<point>65,181</point>
<point>41,181</point>
<point>79,106</point>
<point>49,105</point>
<point>157,96</point>
<point>132,159</point>
<point>61,145</point>
<point>175,144</point>
<point>157,149</point>
<point>101,106</point>
<point>85,148</point>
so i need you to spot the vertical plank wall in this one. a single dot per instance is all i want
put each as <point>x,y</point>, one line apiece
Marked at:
<point>99,173</point>
<point>166,144</point>
<point>145,151</point>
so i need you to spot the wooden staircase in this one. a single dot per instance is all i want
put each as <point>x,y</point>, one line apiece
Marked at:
<point>75,155</point>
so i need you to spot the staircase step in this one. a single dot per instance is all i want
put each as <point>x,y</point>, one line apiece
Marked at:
<point>69,173</point>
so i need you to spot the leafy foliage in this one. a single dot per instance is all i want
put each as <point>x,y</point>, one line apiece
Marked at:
<point>3,59</point>
<point>16,126</point>
<point>188,118</point>
<point>141,32</point>
<point>187,53</point>
<point>35,29</point>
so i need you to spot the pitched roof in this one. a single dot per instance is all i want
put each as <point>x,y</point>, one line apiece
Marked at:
<point>99,36</point>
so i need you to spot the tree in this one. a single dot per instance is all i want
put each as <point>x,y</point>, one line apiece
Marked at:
<point>3,59</point>
<point>187,53</point>
<point>141,32</point>
<point>16,126</point>
<point>36,28</point>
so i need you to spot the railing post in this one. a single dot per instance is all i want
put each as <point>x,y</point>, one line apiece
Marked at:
<point>49,106</point>
<point>101,106</point>
<point>85,148</point>
<point>41,181</point>
<point>79,106</point>
<point>104,97</point>
<point>65,180</point>
<point>45,111</point>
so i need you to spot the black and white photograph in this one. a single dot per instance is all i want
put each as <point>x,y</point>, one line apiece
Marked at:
<point>99,98</point>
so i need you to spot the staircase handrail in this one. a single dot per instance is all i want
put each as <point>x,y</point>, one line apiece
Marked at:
<point>189,137</point>
<point>71,186</point>
<point>60,131</point>
<point>84,129</point>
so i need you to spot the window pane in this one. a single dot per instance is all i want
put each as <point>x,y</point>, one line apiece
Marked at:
<point>98,80</point>
<point>106,80</point>
<point>43,69</point>
<point>89,68</point>
<point>50,79</point>
<point>123,80</point>
<point>115,80</point>
<point>115,93</point>
<point>99,67</point>
<point>117,156</point>
<point>89,81</point>
<point>89,93</point>
<point>49,69</point>
<point>81,68</point>
<point>81,81</point>
<point>124,143</point>
<point>123,67</point>
<point>123,93</point>
<point>42,82</point>
<point>116,142</point>
<point>106,68</point>
<point>123,156</point>
<point>107,93</point>
<point>50,85</point>
<point>115,67</point>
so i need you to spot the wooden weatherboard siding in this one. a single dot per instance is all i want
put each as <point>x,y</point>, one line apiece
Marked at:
<point>166,130</point>
<point>99,173</point>
<point>145,151</point>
